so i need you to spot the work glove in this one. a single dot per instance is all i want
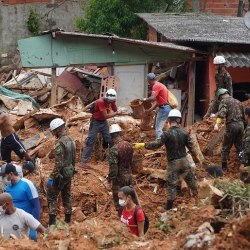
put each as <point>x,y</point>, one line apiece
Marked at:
<point>49,182</point>
<point>212,115</point>
<point>139,145</point>
<point>216,127</point>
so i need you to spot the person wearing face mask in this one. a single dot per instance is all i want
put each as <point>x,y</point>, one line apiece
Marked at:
<point>3,179</point>
<point>16,221</point>
<point>129,201</point>
<point>23,192</point>
<point>63,172</point>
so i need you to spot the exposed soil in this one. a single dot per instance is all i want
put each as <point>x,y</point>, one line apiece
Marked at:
<point>95,224</point>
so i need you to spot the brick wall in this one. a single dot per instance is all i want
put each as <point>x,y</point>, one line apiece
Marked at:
<point>221,7</point>
<point>27,1</point>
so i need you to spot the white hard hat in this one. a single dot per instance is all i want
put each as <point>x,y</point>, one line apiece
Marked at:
<point>219,60</point>
<point>114,128</point>
<point>174,113</point>
<point>111,95</point>
<point>56,123</point>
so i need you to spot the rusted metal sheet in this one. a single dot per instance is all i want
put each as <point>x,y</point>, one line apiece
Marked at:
<point>74,85</point>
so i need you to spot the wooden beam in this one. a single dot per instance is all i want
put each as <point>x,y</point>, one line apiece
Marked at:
<point>191,93</point>
<point>53,99</point>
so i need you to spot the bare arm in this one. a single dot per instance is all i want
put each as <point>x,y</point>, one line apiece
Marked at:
<point>41,229</point>
<point>3,117</point>
<point>140,226</point>
<point>109,115</point>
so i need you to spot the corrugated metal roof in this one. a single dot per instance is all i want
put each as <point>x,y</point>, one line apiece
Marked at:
<point>234,59</point>
<point>197,27</point>
<point>131,41</point>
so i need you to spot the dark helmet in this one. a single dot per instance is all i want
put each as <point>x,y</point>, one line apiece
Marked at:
<point>29,166</point>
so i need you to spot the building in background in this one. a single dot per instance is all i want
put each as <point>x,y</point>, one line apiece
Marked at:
<point>15,13</point>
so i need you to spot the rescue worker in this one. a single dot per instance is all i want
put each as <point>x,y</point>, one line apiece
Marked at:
<point>120,163</point>
<point>28,168</point>
<point>160,97</point>
<point>245,154</point>
<point>10,141</point>
<point>176,140</point>
<point>23,192</point>
<point>232,110</point>
<point>15,221</point>
<point>223,81</point>
<point>64,169</point>
<point>99,124</point>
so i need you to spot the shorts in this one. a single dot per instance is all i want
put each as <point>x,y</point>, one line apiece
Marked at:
<point>9,144</point>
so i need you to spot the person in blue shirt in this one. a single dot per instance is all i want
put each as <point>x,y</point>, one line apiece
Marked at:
<point>24,194</point>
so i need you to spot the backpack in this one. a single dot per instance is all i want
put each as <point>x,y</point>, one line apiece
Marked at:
<point>173,102</point>
<point>146,222</point>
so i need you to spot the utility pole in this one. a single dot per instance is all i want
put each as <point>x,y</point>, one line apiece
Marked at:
<point>240,8</point>
<point>196,5</point>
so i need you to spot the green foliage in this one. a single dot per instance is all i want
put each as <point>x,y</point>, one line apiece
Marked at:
<point>163,226</point>
<point>117,16</point>
<point>233,188</point>
<point>33,22</point>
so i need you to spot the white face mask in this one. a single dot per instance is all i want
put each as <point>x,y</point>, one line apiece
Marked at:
<point>5,181</point>
<point>2,211</point>
<point>122,203</point>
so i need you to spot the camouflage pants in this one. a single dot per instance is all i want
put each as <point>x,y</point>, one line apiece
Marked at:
<point>52,196</point>
<point>119,182</point>
<point>233,136</point>
<point>177,168</point>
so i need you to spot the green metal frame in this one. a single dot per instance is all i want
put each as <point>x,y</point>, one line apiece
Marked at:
<point>65,50</point>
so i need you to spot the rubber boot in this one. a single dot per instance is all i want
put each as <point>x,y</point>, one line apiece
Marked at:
<point>67,218</point>
<point>224,166</point>
<point>169,205</point>
<point>52,219</point>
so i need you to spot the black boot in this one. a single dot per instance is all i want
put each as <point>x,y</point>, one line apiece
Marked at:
<point>169,205</point>
<point>52,219</point>
<point>224,166</point>
<point>67,218</point>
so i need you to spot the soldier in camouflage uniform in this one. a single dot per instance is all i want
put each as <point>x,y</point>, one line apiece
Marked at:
<point>64,169</point>
<point>232,110</point>
<point>120,163</point>
<point>176,140</point>
<point>245,154</point>
<point>223,81</point>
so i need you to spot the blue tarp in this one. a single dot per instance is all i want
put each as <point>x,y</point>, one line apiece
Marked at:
<point>18,96</point>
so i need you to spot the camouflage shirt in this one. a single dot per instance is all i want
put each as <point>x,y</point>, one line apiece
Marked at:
<point>65,152</point>
<point>224,80</point>
<point>246,147</point>
<point>176,140</point>
<point>120,159</point>
<point>231,109</point>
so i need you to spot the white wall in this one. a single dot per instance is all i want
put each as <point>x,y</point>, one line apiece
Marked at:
<point>132,83</point>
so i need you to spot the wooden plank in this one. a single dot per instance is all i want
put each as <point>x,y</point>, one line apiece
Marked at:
<point>217,138</point>
<point>53,100</point>
<point>36,139</point>
<point>191,92</point>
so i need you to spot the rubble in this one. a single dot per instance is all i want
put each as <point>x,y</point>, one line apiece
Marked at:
<point>95,225</point>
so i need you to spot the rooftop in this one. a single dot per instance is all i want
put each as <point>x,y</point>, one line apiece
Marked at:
<point>197,27</point>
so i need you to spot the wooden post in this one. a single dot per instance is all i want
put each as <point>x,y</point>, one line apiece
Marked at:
<point>191,93</point>
<point>53,99</point>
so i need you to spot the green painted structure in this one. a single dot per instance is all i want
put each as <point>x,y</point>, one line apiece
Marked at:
<point>60,49</point>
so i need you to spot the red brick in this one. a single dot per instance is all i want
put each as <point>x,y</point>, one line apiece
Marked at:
<point>216,5</point>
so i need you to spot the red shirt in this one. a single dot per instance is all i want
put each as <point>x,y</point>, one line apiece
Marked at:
<point>100,106</point>
<point>160,92</point>
<point>127,218</point>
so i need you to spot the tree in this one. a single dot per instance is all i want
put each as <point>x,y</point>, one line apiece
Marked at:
<point>117,16</point>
